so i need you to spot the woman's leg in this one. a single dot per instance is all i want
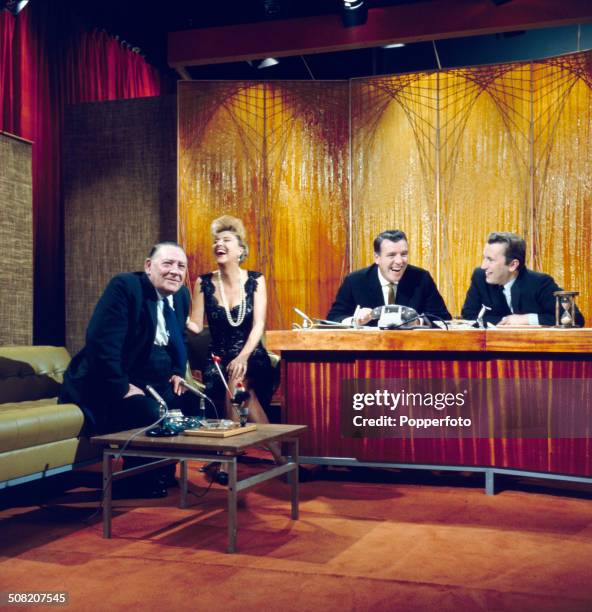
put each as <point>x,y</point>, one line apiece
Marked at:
<point>258,415</point>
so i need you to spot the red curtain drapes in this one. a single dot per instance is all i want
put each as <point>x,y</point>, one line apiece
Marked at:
<point>45,63</point>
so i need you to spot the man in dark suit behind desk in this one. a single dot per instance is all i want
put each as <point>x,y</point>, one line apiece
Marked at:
<point>389,280</point>
<point>135,338</point>
<point>514,294</point>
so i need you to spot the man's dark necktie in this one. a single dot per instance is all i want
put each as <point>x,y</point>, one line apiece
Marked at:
<point>392,293</point>
<point>176,346</point>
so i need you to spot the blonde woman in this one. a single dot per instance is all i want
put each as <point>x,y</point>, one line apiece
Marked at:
<point>234,302</point>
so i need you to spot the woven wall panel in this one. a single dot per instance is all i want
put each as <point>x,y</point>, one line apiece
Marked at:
<point>119,196</point>
<point>16,242</point>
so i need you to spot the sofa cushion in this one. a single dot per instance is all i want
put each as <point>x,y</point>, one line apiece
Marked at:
<point>31,372</point>
<point>39,459</point>
<point>24,424</point>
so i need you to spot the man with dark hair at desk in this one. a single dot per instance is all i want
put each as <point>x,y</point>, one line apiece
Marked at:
<point>514,294</point>
<point>134,339</point>
<point>389,280</point>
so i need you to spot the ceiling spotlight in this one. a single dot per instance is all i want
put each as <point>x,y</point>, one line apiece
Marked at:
<point>13,6</point>
<point>354,13</point>
<point>393,46</point>
<point>272,8</point>
<point>268,62</point>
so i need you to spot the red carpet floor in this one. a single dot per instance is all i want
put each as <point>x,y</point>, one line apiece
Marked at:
<point>400,542</point>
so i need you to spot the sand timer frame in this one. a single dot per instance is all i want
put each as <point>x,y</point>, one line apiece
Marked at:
<point>565,308</point>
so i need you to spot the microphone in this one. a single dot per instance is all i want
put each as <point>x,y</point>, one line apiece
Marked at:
<point>306,320</point>
<point>193,389</point>
<point>217,361</point>
<point>154,393</point>
<point>481,323</point>
<point>327,322</point>
<point>162,429</point>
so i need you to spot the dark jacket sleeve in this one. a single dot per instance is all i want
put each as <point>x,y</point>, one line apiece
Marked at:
<point>433,302</point>
<point>106,336</point>
<point>473,299</point>
<point>545,301</point>
<point>344,304</point>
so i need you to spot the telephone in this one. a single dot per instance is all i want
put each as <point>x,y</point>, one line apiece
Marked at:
<point>394,316</point>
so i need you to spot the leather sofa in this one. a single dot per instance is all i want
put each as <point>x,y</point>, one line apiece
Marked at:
<point>38,436</point>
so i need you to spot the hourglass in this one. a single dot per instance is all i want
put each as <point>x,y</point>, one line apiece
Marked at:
<point>565,308</point>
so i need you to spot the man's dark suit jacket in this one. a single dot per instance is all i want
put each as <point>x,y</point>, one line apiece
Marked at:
<point>362,288</point>
<point>532,292</point>
<point>119,339</point>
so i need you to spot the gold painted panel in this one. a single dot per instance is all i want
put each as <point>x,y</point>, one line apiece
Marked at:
<point>394,165</point>
<point>563,173</point>
<point>448,157</point>
<point>275,155</point>
<point>484,123</point>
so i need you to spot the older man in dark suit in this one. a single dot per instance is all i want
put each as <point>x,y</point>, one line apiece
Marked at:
<point>389,280</point>
<point>514,294</point>
<point>135,338</point>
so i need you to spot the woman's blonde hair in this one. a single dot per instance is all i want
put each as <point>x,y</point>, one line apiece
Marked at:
<point>228,223</point>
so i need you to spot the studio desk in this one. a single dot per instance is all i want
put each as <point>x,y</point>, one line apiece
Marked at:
<point>314,362</point>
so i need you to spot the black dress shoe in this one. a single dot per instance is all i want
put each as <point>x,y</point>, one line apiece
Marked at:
<point>222,478</point>
<point>213,473</point>
<point>166,480</point>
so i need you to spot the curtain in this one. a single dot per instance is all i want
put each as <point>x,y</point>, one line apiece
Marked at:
<point>46,61</point>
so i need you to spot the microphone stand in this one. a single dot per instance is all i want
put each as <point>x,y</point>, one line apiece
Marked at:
<point>202,397</point>
<point>162,429</point>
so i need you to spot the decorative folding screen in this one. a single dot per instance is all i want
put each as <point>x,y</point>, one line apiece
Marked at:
<point>275,155</point>
<point>446,156</point>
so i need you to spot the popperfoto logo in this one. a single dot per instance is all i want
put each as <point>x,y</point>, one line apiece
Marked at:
<point>466,408</point>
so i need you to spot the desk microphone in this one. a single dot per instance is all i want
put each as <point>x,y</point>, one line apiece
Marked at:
<point>306,320</point>
<point>193,389</point>
<point>202,396</point>
<point>481,322</point>
<point>161,430</point>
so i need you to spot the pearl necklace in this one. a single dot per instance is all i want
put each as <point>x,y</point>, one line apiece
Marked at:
<point>242,305</point>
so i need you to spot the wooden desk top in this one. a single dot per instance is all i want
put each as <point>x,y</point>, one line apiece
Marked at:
<point>262,435</point>
<point>534,340</point>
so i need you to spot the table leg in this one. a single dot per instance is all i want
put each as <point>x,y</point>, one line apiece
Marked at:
<point>107,492</point>
<point>294,480</point>
<point>183,483</point>
<point>232,503</point>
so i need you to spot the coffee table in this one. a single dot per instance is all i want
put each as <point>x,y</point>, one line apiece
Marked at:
<point>184,448</point>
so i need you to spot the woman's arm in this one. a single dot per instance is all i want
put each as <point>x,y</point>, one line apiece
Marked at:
<point>237,368</point>
<point>196,318</point>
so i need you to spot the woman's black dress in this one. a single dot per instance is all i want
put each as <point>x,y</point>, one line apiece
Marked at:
<point>228,341</point>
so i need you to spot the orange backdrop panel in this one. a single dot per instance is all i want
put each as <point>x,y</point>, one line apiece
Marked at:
<point>562,126</point>
<point>275,155</point>
<point>484,177</point>
<point>394,165</point>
